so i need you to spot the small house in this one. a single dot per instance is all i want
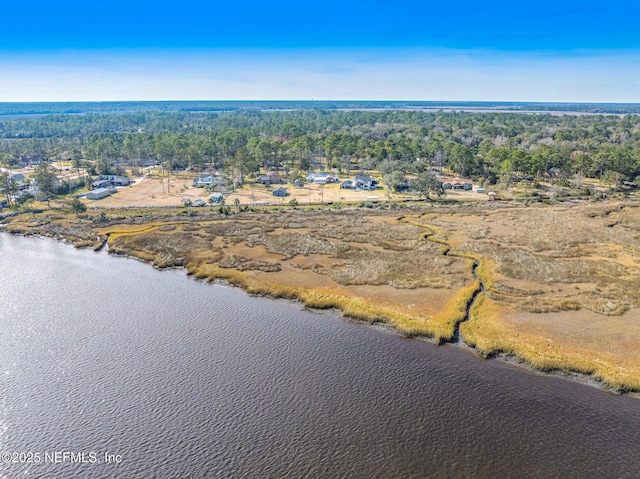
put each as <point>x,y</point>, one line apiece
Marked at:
<point>321,178</point>
<point>347,185</point>
<point>264,179</point>
<point>461,184</point>
<point>120,181</point>
<point>198,202</point>
<point>298,183</point>
<point>217,198</point>
<point>101,184</point>
<point>479,189</point>
<point>492,195</point>
<point>21,181</point>
<point>31,161</point>
<point>365,182</point>
<point>106,181</point>
<point>274,178</point>
<point>206,180</point>
<point>271,178</point>
<point>311,176</point>
<point>203,181</point>
<point>98,194</point>
<point>281,192</point>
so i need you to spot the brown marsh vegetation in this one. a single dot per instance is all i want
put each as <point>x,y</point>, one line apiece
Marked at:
<point>562,282</point>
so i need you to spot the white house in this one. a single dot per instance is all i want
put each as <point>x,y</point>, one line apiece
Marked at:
<point>105,181</point>
<point>365,182</point>
<point>321,178</point>
<point>209,180</point>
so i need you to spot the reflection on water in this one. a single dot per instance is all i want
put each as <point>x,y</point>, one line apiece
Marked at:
<point>183,379</point>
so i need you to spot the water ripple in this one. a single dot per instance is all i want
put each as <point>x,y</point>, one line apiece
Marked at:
<point>185,379</point>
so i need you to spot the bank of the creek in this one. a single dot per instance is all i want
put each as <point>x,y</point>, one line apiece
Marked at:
<point>180,378</point>
<point>456,334</point>
<point>430,235</point>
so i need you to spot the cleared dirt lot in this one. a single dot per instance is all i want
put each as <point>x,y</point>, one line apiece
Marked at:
<point>152,191</point>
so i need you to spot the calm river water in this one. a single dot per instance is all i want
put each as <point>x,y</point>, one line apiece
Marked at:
<point>109,368</point>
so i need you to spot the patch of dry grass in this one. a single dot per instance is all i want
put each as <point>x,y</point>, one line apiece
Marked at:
<point>558,279</point>
<point>422,267</point>
<point>617,364</point>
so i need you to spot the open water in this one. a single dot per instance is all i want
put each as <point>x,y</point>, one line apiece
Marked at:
<point>109,368</point>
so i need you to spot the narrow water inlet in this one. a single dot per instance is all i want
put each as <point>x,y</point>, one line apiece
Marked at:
<point>455,338</point>
<point>456,333</point>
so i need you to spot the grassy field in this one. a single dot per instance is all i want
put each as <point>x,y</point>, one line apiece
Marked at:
<point>562,282</point>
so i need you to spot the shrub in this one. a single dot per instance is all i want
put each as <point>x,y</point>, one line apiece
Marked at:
<point>78,206</point>
<point>100,217</point>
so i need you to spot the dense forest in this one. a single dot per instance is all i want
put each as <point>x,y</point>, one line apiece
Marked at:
<point>488,147</point>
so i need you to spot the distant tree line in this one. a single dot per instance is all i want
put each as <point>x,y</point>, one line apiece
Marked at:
<point>487,146</point>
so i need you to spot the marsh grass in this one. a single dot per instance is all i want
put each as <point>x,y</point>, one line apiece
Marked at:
<point>79,235</point>
<point>446,321</point>
<point>424,267</point>
<point>535,261</point>
<point>487,331</point>
<point>321,298</point>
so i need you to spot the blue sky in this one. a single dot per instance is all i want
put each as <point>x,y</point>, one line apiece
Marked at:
<point>493,50</point>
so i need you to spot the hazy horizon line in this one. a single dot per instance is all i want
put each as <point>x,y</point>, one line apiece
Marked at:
<point>329,100</point>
